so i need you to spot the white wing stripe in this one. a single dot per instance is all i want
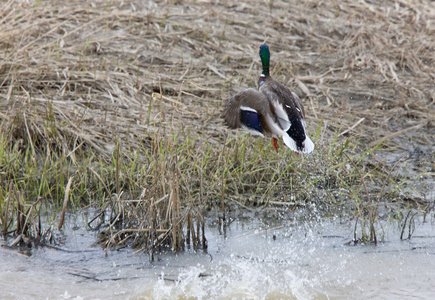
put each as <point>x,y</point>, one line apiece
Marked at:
<point>247,108</point>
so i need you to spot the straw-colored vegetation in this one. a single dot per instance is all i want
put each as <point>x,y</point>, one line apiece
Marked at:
<point>116,104</point>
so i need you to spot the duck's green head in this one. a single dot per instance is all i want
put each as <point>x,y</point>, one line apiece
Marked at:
<point>265,58</point>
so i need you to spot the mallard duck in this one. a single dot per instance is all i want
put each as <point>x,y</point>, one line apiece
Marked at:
<point>274,110</point>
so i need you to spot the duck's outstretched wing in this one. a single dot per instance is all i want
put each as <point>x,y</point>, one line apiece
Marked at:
<point>250,109</point>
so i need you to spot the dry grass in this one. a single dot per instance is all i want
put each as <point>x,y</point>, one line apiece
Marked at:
<point>143,83</point>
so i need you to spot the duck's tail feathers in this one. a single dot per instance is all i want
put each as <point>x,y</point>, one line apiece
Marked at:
<point>308,145</point>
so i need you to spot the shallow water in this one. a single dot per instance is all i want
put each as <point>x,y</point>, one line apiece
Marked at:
<point>286,260</point>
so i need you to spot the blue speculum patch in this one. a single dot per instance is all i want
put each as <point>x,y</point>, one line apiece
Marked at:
<point>251,120</point>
